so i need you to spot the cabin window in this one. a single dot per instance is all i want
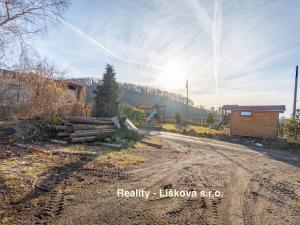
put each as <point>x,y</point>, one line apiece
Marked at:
<point>246,113</point>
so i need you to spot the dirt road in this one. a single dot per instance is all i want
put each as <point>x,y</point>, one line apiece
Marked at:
<point>257,186</point>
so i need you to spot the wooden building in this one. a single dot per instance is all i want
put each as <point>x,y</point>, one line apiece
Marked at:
<point>253,121</point>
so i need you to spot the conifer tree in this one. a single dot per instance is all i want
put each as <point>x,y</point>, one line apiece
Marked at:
<point>106,94</point>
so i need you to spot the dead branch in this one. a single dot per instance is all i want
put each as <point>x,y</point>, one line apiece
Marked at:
<point>20,19</point>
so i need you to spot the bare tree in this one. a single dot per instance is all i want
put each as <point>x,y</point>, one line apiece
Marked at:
<point>20,19</point>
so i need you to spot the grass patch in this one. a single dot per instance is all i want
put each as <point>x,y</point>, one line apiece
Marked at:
<point>72,190</point>
<point>172,127</point>
<point>38,167</point>
<point>200,130</point>
<point>155,140</point>
<point>81,149</point>
<point>10,181</point>
<point>10,177</point>
<point>139,145</point>
<point>29,171</point>
<point>121,158</point>
<point>2,167</point>
<point>34,170</point>
<point>11,163</point>
<point>7,219</point>
<point>203,130</point>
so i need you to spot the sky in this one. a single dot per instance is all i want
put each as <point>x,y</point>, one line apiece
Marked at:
<point>231,51</point>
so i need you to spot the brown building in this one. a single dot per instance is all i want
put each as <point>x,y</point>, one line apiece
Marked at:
<point>253,121</point>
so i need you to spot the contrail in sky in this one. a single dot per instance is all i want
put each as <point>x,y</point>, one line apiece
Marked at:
<point>216,38</point>
<point>91,40</point>
<point>88,38</point>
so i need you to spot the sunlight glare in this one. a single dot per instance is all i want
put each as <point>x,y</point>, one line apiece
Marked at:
<point>173,77</point>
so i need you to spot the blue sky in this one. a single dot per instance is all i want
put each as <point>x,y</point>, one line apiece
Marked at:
<point>232,51</point>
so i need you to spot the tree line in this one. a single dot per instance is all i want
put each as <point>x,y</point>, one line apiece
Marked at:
<point>128,90</point>
<point>147,90</point>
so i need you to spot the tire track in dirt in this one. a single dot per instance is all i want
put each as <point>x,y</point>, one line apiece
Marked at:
<point>51,190</point>
<point>203,211</point>
<point>104,176</point>
<point>54,206</point>
<point>281,191</point>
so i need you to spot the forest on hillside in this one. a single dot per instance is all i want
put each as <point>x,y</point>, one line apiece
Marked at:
<point>133,94</point>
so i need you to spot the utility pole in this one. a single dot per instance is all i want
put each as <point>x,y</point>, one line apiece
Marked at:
<point>187,98</point>
<point>295,92</point>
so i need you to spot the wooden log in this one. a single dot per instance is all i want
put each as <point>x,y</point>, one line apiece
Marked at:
<point>76,127</point>
<point>116,146</point>
<point>60,127</point>
<point>88,120</point>
<point>65,122</point>
<point>96,130</point>
<point>66,138</point>
<point>102,133</point>
<point>22,146</point>
<point>151,144</point>
<point>63,134</point>
<point>58,142</point>
<point>83,139</point>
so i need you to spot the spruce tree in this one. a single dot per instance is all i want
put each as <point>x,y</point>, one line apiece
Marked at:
<point>106,94</point>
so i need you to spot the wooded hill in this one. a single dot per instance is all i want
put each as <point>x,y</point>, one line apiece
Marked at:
<point>133,94</point>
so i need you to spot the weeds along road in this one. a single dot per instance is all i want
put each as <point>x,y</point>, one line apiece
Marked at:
<point>257,186</point>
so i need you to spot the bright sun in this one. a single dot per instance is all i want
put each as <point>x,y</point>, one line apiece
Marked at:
<point>173,77</point>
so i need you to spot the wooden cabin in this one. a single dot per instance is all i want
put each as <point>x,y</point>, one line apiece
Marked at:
<point>253,121</point>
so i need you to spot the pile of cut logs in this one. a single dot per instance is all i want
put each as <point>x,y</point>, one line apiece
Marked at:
<point>84,129</point>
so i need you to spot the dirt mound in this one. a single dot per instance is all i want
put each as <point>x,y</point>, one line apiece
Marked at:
<point>17,131</point>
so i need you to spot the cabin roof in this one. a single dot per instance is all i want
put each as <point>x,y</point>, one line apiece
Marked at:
<point>261,108</point>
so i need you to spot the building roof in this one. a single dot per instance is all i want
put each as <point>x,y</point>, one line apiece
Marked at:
<point>257,108</point>
<point>73,83</point>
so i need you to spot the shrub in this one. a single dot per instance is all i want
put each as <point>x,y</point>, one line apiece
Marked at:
<point>32,93</point>
<point>292,126</point>
<point>134,114</point>
<point>210,119</point>
<point>178,118</point>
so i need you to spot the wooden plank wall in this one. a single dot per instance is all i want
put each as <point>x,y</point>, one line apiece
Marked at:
<point>260,124</point>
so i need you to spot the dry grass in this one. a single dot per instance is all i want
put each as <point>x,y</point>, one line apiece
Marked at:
<point>7,220</point>
<point>154,140</point>
<point>72,189</point>
<point>122,158</point>
<point>83,149</point>
<point>17,171</point>
<point>38,94</point>
<point>10,181</point>
<point>139,145</point>
<point>2,167</point>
